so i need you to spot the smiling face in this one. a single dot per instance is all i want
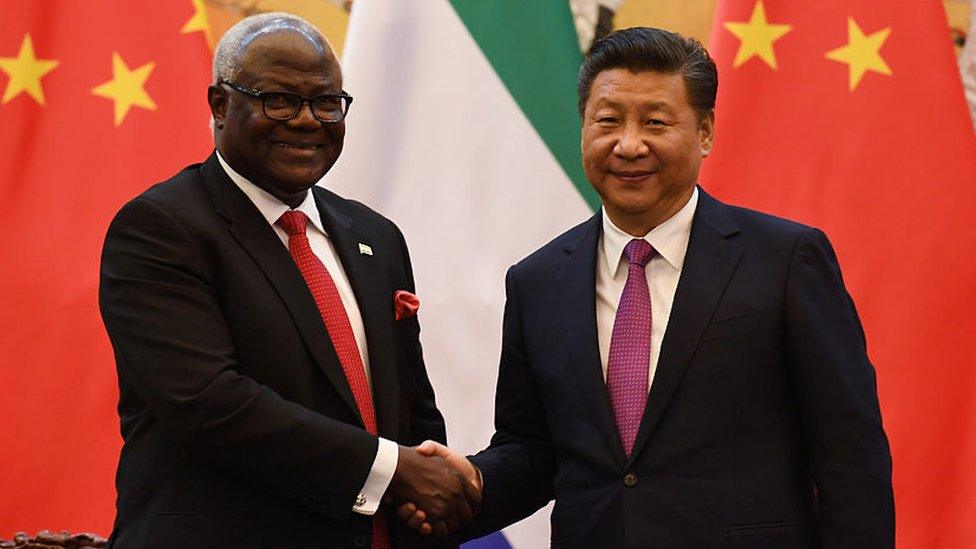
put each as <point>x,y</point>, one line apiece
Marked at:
<point>286,157</point>
<point>642,145</point>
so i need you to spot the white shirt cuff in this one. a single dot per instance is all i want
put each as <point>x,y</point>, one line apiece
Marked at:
<point>384,465</point>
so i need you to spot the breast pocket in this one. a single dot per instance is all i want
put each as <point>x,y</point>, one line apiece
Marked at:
<point>731,326</point>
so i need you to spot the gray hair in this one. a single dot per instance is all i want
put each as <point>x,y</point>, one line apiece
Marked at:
<point>230,48</point>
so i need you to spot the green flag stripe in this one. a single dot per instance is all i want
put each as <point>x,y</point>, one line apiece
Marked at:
<point>532,46</point>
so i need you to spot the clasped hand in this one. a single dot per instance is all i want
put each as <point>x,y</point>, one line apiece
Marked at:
<point>436,489</point>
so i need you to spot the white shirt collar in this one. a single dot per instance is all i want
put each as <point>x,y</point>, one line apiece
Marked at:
<point>670,238</point>
<point>269,206</point>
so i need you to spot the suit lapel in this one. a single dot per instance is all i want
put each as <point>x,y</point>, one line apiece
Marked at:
<point>375,300</point>
<point>709,263</point>
<point>252,231</point>
<point>577,298</point>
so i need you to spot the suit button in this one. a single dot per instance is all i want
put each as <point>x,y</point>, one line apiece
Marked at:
<point>360,541</point>
<point>630,480</point>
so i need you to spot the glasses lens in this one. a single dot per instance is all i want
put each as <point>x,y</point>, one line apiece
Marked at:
<point>329,109</point>
<point>281,106</point>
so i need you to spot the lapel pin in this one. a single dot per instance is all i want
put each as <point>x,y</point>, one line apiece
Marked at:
<point>364,249</point>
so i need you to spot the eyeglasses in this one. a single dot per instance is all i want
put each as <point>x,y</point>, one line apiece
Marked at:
<point>330,107</point>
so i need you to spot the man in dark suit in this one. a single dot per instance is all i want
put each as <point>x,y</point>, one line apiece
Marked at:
<point>271,376</point>
<point>677,372</point>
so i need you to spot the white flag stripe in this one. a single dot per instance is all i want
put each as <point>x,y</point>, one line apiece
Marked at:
<point>435,142</point>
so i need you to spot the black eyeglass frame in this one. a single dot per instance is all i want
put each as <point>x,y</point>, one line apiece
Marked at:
<point>344,98</point>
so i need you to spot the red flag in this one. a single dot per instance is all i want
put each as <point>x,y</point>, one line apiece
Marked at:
<point>851,117</point>
<point>99,100</point>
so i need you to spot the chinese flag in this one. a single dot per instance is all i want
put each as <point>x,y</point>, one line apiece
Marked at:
<point>99,100</point>
<point>849,115</point>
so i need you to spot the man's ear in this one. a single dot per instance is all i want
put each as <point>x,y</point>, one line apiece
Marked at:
<point>217,100</point>
<point>706,133</point>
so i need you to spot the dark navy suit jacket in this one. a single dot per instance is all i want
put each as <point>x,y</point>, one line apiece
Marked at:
<point>762,427</point>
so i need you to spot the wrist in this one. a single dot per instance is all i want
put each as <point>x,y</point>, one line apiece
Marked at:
<point>477,480</point>
<point>403,458</point>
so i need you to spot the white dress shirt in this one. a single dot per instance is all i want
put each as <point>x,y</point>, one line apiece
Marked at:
<point>670,239</point>
<point>385,462</point>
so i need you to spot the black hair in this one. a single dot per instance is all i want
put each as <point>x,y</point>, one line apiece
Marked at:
<point>640,49</point>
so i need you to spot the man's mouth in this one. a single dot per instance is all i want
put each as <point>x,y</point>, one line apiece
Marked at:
<point>632,175</point>
<point>298,146</point>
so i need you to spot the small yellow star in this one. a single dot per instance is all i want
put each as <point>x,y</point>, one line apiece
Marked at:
<point>757,37</point>
<point>25,72</point>
<point>199,22</point>
<point>862,53</point>
<point>126,88</point>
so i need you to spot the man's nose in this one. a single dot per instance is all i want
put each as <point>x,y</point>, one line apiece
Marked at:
<point>304,117</point>
<point>631,143</point>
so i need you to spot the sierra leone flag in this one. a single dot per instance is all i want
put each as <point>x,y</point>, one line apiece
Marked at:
<point>465,132</point>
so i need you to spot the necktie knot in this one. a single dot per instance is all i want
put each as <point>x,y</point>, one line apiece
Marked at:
<point>293,222</point>
<point>639,252</point>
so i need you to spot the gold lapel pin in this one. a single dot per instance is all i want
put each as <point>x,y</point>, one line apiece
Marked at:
<point>364,249</point>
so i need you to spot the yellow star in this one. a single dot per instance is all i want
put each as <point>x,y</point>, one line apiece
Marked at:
<point>757,37</point>
<point>126,88</point>
<point>862,53</point>
<point>25,72</point>
<point>199,22</point>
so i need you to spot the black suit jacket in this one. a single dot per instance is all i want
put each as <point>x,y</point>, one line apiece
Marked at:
<point>239,427</point>
<point>762,427</point>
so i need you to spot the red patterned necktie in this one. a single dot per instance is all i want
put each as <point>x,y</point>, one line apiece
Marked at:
<point>630,346</point>
<point>337,324</point>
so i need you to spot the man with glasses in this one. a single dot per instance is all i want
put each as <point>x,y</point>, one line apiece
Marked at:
<point>270,370</point>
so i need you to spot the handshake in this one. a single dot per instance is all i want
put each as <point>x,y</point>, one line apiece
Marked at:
<point>436,490</point>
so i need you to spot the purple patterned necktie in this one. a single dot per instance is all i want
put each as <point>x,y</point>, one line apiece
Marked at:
<point>630,346</point>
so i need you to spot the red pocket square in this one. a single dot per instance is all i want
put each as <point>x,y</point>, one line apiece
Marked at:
<point>405,304</point>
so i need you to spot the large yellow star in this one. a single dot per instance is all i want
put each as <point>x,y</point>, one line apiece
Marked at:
<point>862,53</point>
<point>199,22</point>
<point>126,88</point>
<point>757,37</point>
<point>25,72</point>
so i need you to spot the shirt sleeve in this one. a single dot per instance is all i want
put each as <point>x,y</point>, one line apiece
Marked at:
<point>380,475</point>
